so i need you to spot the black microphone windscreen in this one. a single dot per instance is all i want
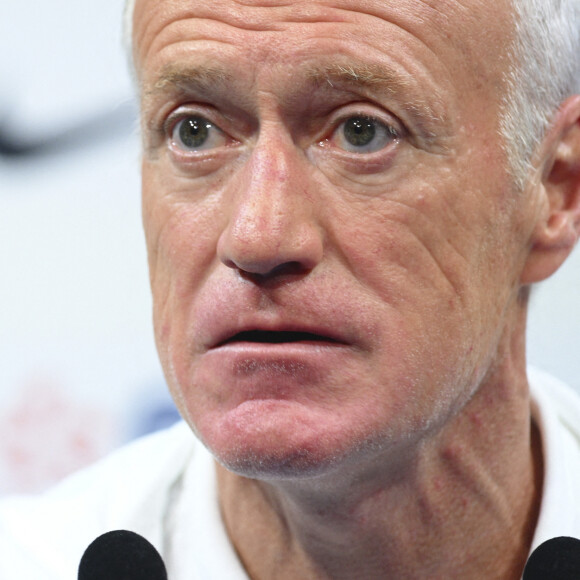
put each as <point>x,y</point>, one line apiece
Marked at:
<point>121,555</point>
<point>555,559</point>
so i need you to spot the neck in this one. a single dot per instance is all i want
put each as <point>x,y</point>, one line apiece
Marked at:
<point>462,503</point>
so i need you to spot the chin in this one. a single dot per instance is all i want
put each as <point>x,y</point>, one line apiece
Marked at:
<point>289,464</point>
<point>276,442</point>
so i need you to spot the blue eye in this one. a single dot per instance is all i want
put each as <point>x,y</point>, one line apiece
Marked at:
<point>362,134</point>
<point>196,133</point>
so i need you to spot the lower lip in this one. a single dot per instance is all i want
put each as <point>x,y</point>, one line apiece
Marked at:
<point>271,369</point>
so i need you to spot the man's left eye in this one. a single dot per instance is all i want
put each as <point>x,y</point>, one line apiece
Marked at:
<point>362,134</point>
<point>196,133</point>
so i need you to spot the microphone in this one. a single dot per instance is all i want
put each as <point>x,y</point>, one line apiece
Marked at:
<point>555,559</point>
<point>121,555</point>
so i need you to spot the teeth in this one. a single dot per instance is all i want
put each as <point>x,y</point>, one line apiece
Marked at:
<point>276,337</point>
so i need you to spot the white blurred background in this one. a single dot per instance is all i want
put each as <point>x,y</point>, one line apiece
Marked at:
<point>78,371</point>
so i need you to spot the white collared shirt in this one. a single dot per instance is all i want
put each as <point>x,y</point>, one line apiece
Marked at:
<point>556,410</point>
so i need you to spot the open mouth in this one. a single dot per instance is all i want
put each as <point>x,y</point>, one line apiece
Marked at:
<point>276,337</point>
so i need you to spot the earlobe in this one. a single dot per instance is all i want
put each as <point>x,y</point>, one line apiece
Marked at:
<point>558,223</point>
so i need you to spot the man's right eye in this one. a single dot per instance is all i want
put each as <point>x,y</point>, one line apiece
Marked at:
<point>196,133</point>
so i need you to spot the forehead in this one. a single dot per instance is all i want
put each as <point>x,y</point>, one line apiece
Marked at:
<point>472,27</point>
<point>433,44</point>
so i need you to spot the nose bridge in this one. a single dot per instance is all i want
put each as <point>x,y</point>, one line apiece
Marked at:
<point>265,196</point>
<point>271,218</point>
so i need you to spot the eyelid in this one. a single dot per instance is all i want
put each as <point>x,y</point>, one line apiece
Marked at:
<point>389,127</point>
<point>367,110</point>
<point>386,119</point>
<point>181,114</point>
<point>393,131</point>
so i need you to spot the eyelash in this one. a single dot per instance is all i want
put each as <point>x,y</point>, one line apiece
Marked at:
<point>176,120</point>
<point>387,132</point>
<point>362,123</point>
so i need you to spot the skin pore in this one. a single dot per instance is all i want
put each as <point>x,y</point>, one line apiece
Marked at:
<point>338,260</point>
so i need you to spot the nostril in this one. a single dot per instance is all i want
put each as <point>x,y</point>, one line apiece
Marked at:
<point>289,268</point>
<point>279,272</point>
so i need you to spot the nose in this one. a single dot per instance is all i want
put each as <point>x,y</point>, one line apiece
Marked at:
<point>272,227</point>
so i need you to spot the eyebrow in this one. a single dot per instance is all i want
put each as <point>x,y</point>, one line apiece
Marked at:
<point>203,80</point>
<point>365,76</point>
<point>188,79</point>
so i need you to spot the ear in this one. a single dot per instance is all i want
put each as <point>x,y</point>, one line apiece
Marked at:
<point>558,221</point>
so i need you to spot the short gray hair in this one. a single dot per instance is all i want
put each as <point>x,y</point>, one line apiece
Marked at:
<point>544,71</point>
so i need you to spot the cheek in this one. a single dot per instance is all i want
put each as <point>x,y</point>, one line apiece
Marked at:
<point>433,265</point>
<point>406,253</point>
<point>181,229</point>
<point>181,240</point>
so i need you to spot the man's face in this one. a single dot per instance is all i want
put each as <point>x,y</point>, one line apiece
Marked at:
<point>333,240</point>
